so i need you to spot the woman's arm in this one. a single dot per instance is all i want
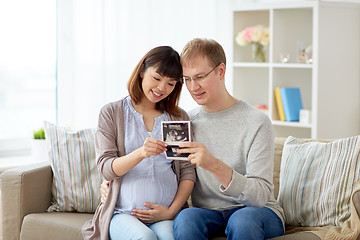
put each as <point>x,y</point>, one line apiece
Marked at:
<point>182,195</point>
<point>152,146</point>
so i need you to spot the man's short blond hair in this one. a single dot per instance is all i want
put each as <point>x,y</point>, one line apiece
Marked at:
<point>202,47</point>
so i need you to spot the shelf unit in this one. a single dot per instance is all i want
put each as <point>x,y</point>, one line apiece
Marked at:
<point>330,85</point>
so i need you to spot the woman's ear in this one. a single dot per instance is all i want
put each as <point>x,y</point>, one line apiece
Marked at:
<point>142,74</point>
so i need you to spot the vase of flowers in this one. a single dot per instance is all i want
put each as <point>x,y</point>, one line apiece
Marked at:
<point>258,52</point>
<point>256,36</point>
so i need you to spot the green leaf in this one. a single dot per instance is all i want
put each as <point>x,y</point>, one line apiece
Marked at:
<point>39,134</point>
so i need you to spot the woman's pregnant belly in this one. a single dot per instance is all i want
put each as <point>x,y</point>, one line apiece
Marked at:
<point>153,184</point>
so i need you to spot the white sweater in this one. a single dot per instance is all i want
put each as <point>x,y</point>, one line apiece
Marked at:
<point>242,137</point>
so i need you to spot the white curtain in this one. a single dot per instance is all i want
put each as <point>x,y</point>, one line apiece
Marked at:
<point>100,42</point>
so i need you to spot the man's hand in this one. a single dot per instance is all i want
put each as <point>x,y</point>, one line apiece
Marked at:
<point>199,155</point>
<point>104,189</point>
<point>156,213</point>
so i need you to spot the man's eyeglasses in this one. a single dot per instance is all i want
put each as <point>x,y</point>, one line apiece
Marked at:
<point>197,78</point>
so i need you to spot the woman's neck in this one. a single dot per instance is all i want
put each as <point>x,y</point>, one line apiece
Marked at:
<point>149,112</point>
<point>144,106</point>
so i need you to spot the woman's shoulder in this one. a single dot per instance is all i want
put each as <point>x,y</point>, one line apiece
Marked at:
<point>111,106</point>
<point>184,114</point>
<point>112,112</point>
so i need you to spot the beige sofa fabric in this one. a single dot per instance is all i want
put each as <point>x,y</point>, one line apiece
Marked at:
<point>26,194</point>
<point>24,190</point>
<point>58,225</point>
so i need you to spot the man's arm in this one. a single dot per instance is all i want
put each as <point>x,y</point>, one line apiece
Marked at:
<point>253,186</point>
<point>201,157</point>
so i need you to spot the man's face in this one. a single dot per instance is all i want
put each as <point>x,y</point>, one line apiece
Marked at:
<point>203,90</point>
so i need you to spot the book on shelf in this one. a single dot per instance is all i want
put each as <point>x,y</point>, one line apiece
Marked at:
<point>173,133</point>
<point>292,103</point>
<point>279,104</point>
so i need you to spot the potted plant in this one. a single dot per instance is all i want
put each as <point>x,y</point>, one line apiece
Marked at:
<point>38,145</point>
<point>39,134</point>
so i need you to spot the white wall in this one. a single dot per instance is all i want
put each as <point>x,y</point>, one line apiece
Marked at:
<point>99,44</point>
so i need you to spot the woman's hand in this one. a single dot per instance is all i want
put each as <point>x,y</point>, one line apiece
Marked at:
<point>156,213</point>
<point>152,147</point>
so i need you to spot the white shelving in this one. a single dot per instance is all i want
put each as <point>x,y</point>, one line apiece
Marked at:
<point>330,86</point>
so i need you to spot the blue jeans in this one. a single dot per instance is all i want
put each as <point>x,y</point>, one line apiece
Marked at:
<point>125,226</point>
<point>239,223</point>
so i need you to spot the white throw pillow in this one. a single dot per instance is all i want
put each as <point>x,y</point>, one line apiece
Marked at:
<point>76,179</point>
<point>317,179</point>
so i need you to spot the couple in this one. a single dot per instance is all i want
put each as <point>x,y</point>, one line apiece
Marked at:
<point>232,151</point>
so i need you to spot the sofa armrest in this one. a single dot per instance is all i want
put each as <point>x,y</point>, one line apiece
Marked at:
<point>24,190</point>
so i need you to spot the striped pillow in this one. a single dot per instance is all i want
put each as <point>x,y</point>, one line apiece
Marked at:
<point>76,180</point>
<point>317,179</point>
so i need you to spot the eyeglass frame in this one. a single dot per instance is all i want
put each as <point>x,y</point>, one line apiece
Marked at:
<point>198,78</point>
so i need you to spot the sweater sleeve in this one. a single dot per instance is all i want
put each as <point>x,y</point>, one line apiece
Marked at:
<point>106,145</point>
<point>255,187</point>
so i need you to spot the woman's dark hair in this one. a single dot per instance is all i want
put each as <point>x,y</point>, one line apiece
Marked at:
<point>167,63</point>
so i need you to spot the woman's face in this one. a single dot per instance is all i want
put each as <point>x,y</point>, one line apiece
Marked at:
<point>155,86</point>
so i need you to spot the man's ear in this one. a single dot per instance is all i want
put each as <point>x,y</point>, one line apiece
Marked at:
<point>222,69</point>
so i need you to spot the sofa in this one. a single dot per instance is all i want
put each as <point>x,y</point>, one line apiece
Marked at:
<point>26,194</point>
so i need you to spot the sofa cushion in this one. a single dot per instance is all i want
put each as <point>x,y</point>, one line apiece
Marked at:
<point>297,236</point>
<point>54,225</point>
<point>317,179</point>
<point>278,148</point>
<point>76,181</point>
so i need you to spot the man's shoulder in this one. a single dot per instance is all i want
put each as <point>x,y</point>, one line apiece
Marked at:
<point>251,111</point>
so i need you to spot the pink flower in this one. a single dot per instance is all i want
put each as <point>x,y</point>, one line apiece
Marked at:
<point>254,34</point>
<point>248,33</point>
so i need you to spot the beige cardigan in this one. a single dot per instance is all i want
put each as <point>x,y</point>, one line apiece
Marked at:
<point>109,144</point>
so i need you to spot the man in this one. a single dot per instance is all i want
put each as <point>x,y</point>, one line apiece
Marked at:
<point>233,153</point>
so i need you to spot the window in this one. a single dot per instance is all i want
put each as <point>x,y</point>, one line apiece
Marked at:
<point>27,69</point>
